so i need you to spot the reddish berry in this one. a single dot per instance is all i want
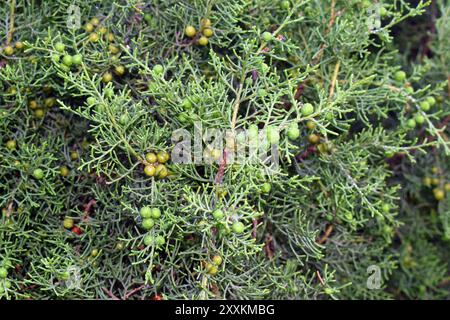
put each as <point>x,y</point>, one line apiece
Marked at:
<point>76,230</point>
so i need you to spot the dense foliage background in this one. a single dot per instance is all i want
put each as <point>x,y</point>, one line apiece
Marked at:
<point>353,95</point>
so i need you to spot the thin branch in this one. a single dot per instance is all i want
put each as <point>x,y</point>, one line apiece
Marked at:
<point>12,8</point>
<point>333,81</point>
<point>326,235</point>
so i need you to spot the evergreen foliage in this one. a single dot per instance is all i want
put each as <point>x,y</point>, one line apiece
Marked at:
<point>94,204</point>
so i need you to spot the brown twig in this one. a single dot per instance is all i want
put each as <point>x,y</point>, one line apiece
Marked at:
<point>127,295</point>
<point>9,210</point>
<point>11,22</point>
<point>299,91</point>
<point>320,278</point>
<point>215,290</point>
<point>236,107</point>
<point>304,154</point>
<point>333,81</point>
<point>268,246</point>
<point>89,205</point>
<point>110,294</point>
<point>327,234</point>
<point>333,15</point>
<point>448,84</point>
<point>255,225</point>
<point>87,208</point>
<point>222,166</point>
<point>444,282</point>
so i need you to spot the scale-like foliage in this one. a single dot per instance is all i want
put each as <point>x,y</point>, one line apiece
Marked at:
<point>88,213</point>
